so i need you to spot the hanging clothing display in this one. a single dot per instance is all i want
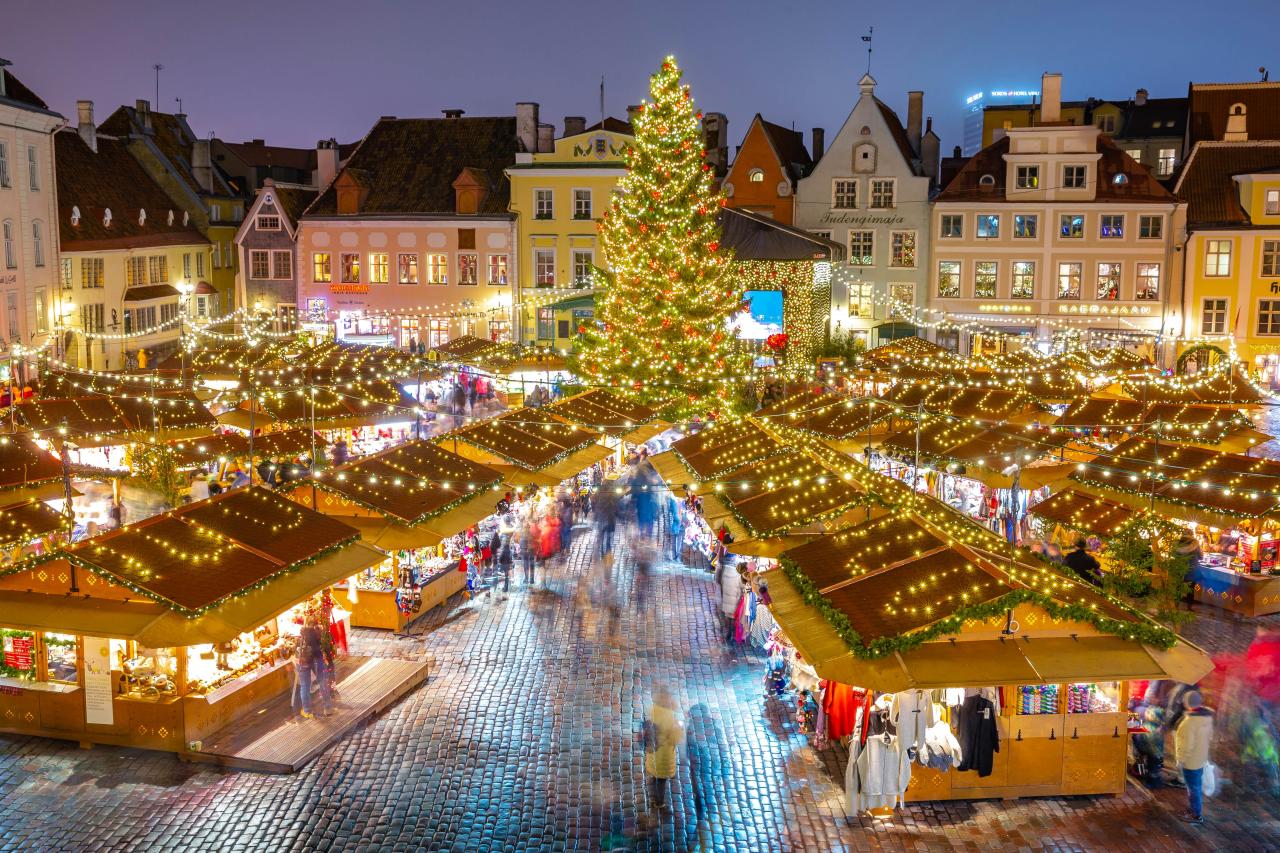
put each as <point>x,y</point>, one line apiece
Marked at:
<point>979,735</point>
<point>912,714</point>
<point>941,750</point>
<point>841,703</point>
<point>882,775</point>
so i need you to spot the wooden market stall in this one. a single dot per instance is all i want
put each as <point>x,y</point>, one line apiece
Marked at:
<point>161,633</point>
<point>844,423</point>
<point>717,450</point>
<point>906,602</point>
<point>405,501</point>
<point>1107,420</point>
<point>976,404</point>
<point>528,447</point>
<point>618,419</point>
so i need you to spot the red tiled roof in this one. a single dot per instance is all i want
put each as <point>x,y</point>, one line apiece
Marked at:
<point>409,165</point>
<point>1211,102</point>
<point>112,179</point>
<point>789,144</point>
<point>173,137</point>
<point>1206,184</point>
<point>258,153</point>
<point>292,201</point>
<point>1141,186</point>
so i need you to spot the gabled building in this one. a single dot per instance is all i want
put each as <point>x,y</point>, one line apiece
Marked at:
<point>1052,234</point>
<point>268,252</point>
<point>413,240</point>
<point>248,165</point>
<point>870,194</point>
<point>129,255</point>
<point>28,216</point>
<point>1212,106</point>
<point>767,168</point>
<point>558,196</point>
<point>181,163</point>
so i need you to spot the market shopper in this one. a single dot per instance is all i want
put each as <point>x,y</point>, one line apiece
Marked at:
<point>312,668</point>
<point>730,582</point>
<point>1191,746</point>
<point>663,735</point>
<point>1083,563</point>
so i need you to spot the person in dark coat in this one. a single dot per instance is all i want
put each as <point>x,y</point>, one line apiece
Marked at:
<point>340,454</point>
<point>1083,564</point>
<point>267,472</point>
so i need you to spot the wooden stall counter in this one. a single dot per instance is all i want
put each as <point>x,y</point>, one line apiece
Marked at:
<point>377,609</point>
<point>1247,594</point>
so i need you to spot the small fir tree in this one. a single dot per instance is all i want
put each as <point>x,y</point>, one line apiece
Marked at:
<point>663,308</point>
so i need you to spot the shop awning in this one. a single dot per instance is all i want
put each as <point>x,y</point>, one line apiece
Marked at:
<point>517,476</point>
<point>457,520</point>
<point>1088,513</point>
<point>671,469</point>
<point>242,419</point>
<point>770,546</point>
<point>94,617</point>
<point>578,462</point>
<point>391,535</point>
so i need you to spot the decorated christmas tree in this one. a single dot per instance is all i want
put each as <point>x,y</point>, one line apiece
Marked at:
<point>663,307</point>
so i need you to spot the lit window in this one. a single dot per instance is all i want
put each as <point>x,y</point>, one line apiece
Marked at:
<point>844,194</point>
<point>468,268</point>
<point>1270,257</point>
<point>321,267</point>
<point>497,269</point>
<point>1027,177</point>
<point>948,279</point>
<point>1070,274</point>
<point>1108,281</point>
<point>1071,225</point>
<point>542,204</point>
<point>756,176</point>
<point>582,204</point>
<point>544,267</point>
<point>1112,226</point>
<point>92,273</point>
<point>862,248</point>
<point>379,268</point>
<point>350,268</point>
<point>1269,316</point>
<point>985,279</point>
<point>1024,280</point>
<point>952,225</point>
<point>546,323</point>
<point>989,226</point>
<point>1165,162</point>
<point>65,272</point>
<point>267,222</point>
<point>1073,177</point>
<point>882,191</point>
<point>1120,179</point>
<point>583,267</point>
<point>1148,281</point>
<point>259,263</point>
<point>407,268</point>
<point>1150,227</point>
<point>903,249</point>
<point>1217,257</point>
<point>1213,317</point>
<point>1271,206</point>
<point>1026,225</point>
<point>1135,154</point>
<point>437,269</point>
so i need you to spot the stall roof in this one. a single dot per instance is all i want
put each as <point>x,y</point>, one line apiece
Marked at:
<point>1087,513</point>
<point>24,522</point>
<point>827,415</point>
<point>356,402</point>
<point>23,463</point>
<point>969,402</point>
<point>189,452</point>
<point>787,492</point>
<point>99,420</point>
<point>1225,386</point>
<point>1201,424</point>
<point>720,448</point>
<point>467,348</point>
<point>526,437</point>
<point>603,410</point>
<point>288,442</point>
<point>411,482</point>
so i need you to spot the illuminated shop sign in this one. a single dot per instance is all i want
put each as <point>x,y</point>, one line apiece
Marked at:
<point>1108,310</point>
<point>977,96</point>
<point>1014,93</point>
<point>1005,309</point>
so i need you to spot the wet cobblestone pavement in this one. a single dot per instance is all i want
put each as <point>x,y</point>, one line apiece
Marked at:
<point>525,738</point>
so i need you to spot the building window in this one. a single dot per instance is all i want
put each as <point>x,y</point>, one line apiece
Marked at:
<point>437,269</point>
<point>186,265</point>
<point>498,269</point>
<point>1213,317</point>
<point>1270,257</point>
<point>1150,227</point>
<point>1070,274</point>
<point>158,267</point>
<point>1107,123</point>
<point>92,317</point>
<point>844,194</point>
<point>1269,316</point>
<point>542,204</point>
<point>582,204</point>
<point>903,249</point>
<point>862,300</point>
<point>468,268</point>
<point>952,226</point>
<point>282,264</point>
<point>1027,177</point>
<point>407,268</point>
<point>1148,281</point>
<point>1217,257</point>
<point>902,299</point>
<point>1112,225</point>
<point>268,223</point>
<point>1071,225</point>
<point>321,267</point>
<point>259,264</point>
<point>350,268</point>
<point>882,191</point>
<point>42,310</point>
<point>1026,225</point>
<point>199,264</point>
<point>92,273</point>
<point>989,226</point>
<point>135,271</point>
<point>756,176</point>
<point>1165,161</point>
<point>546,323</point>
<point>862,248</point>
<point>33,168</point>
<point>65,272</point>
<point>215,213</point>
<point>544,267</point>
<point>1271,206</point>
<point>10,250</point>
<point>1073,177</point>
<point>4,165</point>
<point>1024,280</point>
<point>1108,281</point>
<point>584,261</point>
<point>948,279</point>
<point>825,235</point>
<point>37,241</point>
<point>1135,154</point>
<point>985,279</point>
<point>379,268</point>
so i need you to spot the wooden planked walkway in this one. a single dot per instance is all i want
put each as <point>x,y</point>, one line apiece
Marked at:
<point>277,740</point>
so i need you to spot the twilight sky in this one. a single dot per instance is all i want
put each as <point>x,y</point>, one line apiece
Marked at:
<point>294,71</point>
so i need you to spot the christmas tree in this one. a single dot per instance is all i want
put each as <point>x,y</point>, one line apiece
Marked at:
<point>663,307</point>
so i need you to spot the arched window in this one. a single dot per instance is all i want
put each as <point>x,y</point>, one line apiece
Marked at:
<point>756,176</point>
<point>142,216</point>
<point>1120,179</point>
<point>106,218</point>
<point>987,181</point>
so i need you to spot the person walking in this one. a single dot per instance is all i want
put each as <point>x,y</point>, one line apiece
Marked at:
<point>605,507</point>
<point>504,564</point>
<point>675,527</point>
<point>664,733</point>
<point>1083,564</point>
<point>1191,746</point>
<point>525,537</point>
<point>730,593</point>
<point>311,669</point>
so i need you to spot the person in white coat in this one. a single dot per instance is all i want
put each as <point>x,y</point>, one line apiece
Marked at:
<point>730,594</point>
<point>664,733</point>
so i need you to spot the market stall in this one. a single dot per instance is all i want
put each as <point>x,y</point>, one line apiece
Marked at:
<point>1107,420</point>
<point>975,651</point>
<point>406,501</point>
<point>844,423</point>
<point>160,633</point>
<point>528,447</point>
<point>621,421</point>
<point>716,450</point>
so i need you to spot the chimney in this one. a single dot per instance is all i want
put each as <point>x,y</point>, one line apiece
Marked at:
<point>819,143</point>
<point>715,137</point>
<point>573,125</point>
<point>259,142</point>
<point>527,125</point>
<point>1140,98</point>
<point>1050,98</point>
<point>453,113</point>
<point>1237,129</point>
<point>929,152</point>
<point>84,124</point>
<point>546,137</point>
<point>326,162</point>
<point>957,152</point>
<point>143,109</point>
<point>201,168</point>
<point>915,110</point>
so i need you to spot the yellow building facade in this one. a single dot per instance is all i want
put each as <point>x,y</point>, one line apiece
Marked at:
<point>558,197</point>
<point>1232,254</point>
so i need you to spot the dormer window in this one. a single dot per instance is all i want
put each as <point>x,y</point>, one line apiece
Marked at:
<point>186,217</point>
<point>142,217</point>
<point>1120,179</point>
<point>1027,177</point>
<point>756,176</point>
<point>987,181</point>
<point>106,218</point>
<point>169,219</point>
<point>1271,205</point>
<point>75,216</point>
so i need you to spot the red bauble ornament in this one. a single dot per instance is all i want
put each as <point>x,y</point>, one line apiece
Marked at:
<point>714,245</point>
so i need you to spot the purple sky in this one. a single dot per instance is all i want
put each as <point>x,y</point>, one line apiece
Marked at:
<point>293,71</point>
